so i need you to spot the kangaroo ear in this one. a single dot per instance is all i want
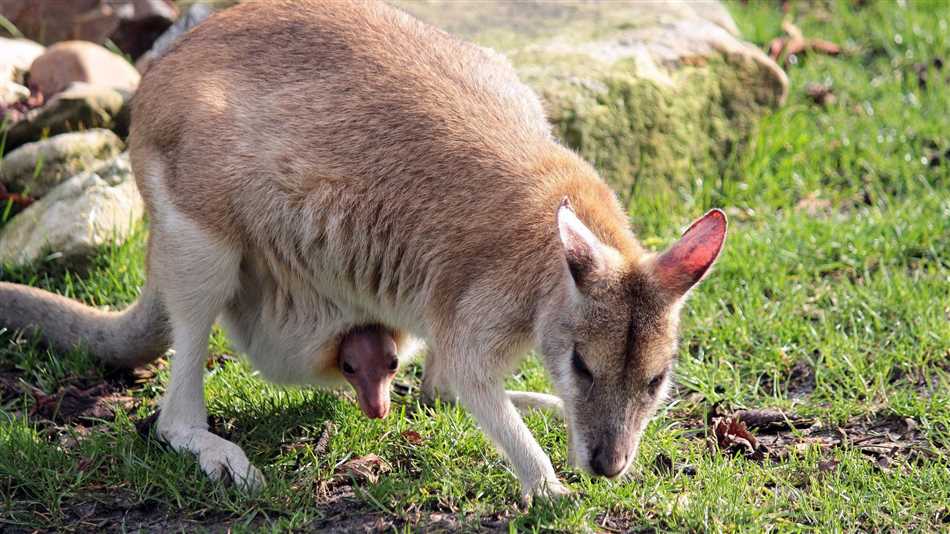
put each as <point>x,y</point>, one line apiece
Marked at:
<point>582,249</point>
<point>685,263</point>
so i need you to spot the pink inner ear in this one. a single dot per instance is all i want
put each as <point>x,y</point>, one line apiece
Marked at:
<point>685,263</point>
<point>581,247</point>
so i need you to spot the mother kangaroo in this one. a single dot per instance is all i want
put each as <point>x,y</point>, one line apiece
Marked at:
<point>309,166</point>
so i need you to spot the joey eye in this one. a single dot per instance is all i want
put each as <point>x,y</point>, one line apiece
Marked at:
<point>348,369</point>
<point>577,363</point>
<point>394,364</point>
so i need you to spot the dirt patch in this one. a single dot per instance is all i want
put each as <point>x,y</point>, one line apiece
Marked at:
<point>774,435</point>
<point>81,400</point>
<point>731,433</point>
<point>82,406</point>
<point>801,380</point>
<point>343,513</point>
<point>120,511</point>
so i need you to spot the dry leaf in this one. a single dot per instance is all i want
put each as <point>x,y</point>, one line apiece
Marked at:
<point>796,43</point>
<point>17,199</point>
<point>323,442</point>
<point>413,437</point>
<point>731,435</point>
<point>366,468</point>
<point>825,47</point>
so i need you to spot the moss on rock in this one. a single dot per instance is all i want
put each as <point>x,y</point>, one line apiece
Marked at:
<point>651,93</point>
<point>640,128</point>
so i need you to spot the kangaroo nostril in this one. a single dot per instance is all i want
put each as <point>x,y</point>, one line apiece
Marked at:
<point>605,464</point>
<point>596,461</point>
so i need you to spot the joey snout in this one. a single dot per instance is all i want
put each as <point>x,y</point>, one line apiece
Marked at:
<point>368,362</point>
<point>372,396</point>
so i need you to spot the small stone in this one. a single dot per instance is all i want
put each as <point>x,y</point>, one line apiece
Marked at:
<point>85,212</point>
<point>80,61</point>
<point>35,168</point>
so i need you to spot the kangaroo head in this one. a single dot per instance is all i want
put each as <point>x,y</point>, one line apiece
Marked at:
<point>368,360</point>
<point>610,338</point>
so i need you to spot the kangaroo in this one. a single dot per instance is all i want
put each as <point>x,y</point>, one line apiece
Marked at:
<point>308,166</point>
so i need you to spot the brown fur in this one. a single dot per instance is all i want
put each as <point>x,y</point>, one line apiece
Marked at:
<point>310,166</point>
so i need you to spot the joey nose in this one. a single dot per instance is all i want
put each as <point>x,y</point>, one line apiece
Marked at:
<point>375,408</point>
<point>607,461</point>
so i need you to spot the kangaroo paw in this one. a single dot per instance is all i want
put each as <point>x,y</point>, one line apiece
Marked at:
<point>218,457</point>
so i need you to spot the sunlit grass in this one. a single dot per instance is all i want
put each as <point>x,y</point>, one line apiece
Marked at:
<point>857,290</point>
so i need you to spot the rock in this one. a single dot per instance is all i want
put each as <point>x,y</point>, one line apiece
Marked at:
<point>36,168</point>
<point>80,107</point>
<point>51,21</point>
<point>85,212</point>
<point>16,56</point>
<point>79,61</point>
<point>133,23</point>
<point>191,18</point>
<point>655,93</point>
<point>11,92</point>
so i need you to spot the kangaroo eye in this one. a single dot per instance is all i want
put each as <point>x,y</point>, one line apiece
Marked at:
<point>393,365</point>
<point>655,383</point>
<point>580,367</point>
<point>348,369</point>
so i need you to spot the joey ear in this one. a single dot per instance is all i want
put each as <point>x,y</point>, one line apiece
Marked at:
<point>685,263</point>
<point>582,249</point>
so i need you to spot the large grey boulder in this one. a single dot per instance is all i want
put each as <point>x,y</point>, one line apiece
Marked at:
<point>36,168</point>
<point>85,212</point>
<point>650,92</point>
<point>79,107</point>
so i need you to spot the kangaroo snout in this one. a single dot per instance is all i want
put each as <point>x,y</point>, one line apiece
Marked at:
<point>608,460</point>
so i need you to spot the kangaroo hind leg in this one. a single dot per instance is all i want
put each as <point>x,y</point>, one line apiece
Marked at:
<point>197,273</point>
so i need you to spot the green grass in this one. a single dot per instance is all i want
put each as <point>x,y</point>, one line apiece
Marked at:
<point>858,290</point>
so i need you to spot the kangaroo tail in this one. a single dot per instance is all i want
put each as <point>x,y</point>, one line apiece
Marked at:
<point>129,338</point>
